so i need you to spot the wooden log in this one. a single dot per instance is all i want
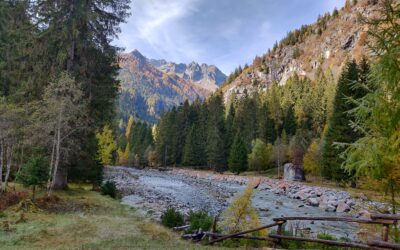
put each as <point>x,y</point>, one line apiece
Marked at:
<point>385,232</point>
<point>383,244</point>
<point>326,242</point>
<point>245,232</point>
<point>346,219</point>
<point>386,216</point>
<point>180,228</point>
<point>248,237</point>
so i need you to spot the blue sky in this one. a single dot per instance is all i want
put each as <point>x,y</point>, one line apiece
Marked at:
<point>225,33</point>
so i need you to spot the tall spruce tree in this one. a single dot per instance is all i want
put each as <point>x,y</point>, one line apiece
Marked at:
<point>289,123</point>
<point>215,149</point>
<point>339,127</point>
<point>193,154</point>
<point>75,36</point>
<point>238,160</point>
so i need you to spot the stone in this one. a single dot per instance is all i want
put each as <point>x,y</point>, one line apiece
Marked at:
<point>292,173</point>
<point>313,202</point>
<point>342,207</point>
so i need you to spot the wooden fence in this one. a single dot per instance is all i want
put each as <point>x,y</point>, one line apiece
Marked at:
<point>386,220</point>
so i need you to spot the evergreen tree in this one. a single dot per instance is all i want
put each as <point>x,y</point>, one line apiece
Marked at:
<point>34,173</point>
<point>193,151</point>
<point>376,153</point>
<point>215,149</point>
<point>230,129</point>
<point>339,129</point>
<point>289,123</point>
<point>237,161</point>
<point>75,36</point>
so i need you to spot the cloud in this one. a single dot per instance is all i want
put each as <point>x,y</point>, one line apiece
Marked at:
<point>157,25</point>
<point>221,32</point>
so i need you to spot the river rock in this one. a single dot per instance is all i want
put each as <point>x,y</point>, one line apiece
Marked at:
<point>292,173</point>
<point>313,202</point>
<point>342,207</point>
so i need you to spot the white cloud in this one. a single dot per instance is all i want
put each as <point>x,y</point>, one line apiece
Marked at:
<point>158,24</point>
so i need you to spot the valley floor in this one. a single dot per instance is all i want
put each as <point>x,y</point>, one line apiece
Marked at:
<point>83,219</point>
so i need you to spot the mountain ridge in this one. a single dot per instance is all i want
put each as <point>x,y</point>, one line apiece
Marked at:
<point>148,87</point>
<point>324,45</point>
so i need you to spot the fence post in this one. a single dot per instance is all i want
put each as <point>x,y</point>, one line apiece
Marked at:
<point>385,232</point>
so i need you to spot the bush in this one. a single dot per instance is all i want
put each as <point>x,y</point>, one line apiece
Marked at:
<point>110,189</point>
<point>172,218</point>
<point>198,220</point>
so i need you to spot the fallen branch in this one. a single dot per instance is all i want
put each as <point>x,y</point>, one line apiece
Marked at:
<point>245,232</point>
<point>326,242</point>
<point>346,219</point>
<point>181,228</point>
<point>248,237</point>
<point>383,244</point>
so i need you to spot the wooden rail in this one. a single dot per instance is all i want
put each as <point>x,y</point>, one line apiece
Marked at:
<point>385,220</point>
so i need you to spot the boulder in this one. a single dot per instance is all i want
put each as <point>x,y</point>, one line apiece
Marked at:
<point>312,202</point>
<point>292,173</point>
<point>342,207</point>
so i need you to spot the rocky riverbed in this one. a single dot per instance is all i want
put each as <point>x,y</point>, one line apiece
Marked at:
<point>152,191</point>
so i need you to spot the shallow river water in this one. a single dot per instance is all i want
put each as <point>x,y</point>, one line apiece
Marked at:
<point>151,192</point>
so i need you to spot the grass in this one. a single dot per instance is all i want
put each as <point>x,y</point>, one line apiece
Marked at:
<point>85,220</point>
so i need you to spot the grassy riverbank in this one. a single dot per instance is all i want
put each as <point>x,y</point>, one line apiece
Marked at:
<point>83,219</point>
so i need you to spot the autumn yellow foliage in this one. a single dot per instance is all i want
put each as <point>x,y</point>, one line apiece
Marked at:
<point>240,215</point>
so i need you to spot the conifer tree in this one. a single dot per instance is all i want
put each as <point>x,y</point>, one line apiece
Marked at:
<point>289,123</point>
<point>193,154</point>
<point>215,149</point>
<point>237,161</point>
<point>339,129</point>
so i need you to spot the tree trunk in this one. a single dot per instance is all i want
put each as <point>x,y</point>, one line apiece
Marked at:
<point>33,192</point>
<point>49,182</point>
<point>9,161</point>
<point>57,160</point>
<point>1,163</point>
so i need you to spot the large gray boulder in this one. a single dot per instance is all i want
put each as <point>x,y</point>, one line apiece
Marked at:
<point>292,173</point>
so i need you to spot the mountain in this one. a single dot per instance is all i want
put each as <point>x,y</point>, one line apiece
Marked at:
<point>205,76</point>
<point>148,87</point>
<point>324,45</point>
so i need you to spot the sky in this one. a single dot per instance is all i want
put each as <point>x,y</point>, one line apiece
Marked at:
<point>226,33</point>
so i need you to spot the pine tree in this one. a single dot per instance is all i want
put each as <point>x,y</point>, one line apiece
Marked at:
<point>339,129</point>
<point>194,150</point>
<point>215,149</point>
<point>237,161</point>
<point>289,123</point>
<point>34,173</point>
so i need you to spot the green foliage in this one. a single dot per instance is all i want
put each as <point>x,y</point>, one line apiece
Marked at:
<point>35,172</point>
<point>340,128</point>
<point>238,161</point>
<point>260,156</point>
<point>172,218</point>
<point>377,114</point>
<point>109,188</point>
<point>199,219</point>
<point>312,159</point>
<point>194,148</point>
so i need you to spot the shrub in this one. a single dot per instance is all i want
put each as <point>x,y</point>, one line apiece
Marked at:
<point>198,220</point>
<point>110,189</point>
<point>172,218</point>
